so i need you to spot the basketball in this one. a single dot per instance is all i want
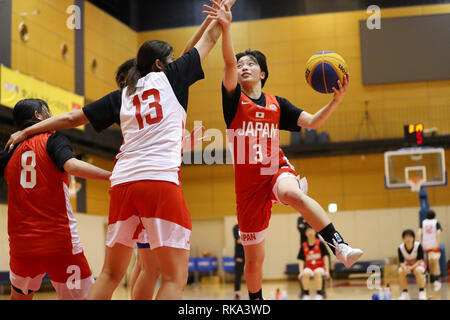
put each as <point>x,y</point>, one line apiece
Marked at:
<point>324,69</point>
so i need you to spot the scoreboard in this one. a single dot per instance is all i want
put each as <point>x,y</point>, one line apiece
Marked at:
<point>413,134</point>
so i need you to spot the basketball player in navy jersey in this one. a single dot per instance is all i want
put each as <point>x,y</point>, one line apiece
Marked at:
<point>262,173</point>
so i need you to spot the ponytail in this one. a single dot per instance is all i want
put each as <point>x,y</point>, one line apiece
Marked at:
<point>148,53</point>
<point>132,79</point>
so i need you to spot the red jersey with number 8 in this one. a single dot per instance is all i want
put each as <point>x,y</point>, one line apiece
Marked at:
<point>40,216</point>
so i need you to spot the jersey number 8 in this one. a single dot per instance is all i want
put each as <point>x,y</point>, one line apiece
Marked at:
<point>28,173</point>
<point>155,114</point>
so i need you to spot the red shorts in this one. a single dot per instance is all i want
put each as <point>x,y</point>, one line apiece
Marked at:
<point>70,275</point>
<point>254,205</point>
<point>155,207</point>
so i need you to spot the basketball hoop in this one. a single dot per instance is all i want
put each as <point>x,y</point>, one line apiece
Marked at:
<point>415,183</point>
<point>416,180</point>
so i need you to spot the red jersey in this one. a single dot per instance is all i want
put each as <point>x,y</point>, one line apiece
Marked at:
<point>254,142</point>
<point>40,216</point>
<point>313,257</point>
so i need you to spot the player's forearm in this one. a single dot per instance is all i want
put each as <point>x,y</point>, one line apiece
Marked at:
<point>208,40</point>
<point>63,121</point>
<point>322,115</point>
<point>199,33</point>
<point>230,75</point>
<point>213,33</point>
<point>197,36</point>
<point>228,48</point>
<point>85,170</point>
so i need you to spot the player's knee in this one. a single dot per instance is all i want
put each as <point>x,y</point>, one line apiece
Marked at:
<point>417,272</point>
<point>113,275</point>
<point>177,278</point>
<point>401,271</point>
<point>153,272</point>
<point>290,196</point>
<point>254,265</point>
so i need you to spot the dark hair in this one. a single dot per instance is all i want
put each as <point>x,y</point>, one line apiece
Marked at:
<point>259,58</point>
<point>122,72</point>
<point>23,112</point>
<point>308,226</point>
<point>408,232</point>
<point>148,53</point>
<point>431,214</point>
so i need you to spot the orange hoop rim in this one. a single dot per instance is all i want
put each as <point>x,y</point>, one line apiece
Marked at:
<point>415,182</point>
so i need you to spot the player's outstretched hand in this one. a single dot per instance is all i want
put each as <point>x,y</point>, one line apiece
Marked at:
<point>221,12</point>
<point>340,93</point>
<point>15,139</point>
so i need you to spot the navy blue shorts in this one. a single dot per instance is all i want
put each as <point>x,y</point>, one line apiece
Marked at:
<point>143,245</point>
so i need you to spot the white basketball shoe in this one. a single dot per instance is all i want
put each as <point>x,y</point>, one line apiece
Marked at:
<point>422,295</point>
<point>346,254</point>
<point>404,296</point>
<point>437,285</point>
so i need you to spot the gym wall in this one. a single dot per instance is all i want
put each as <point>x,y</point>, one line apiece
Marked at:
<point>40,56</point>
<point>110,43</point>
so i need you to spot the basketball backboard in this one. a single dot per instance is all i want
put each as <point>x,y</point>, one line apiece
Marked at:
<point>415,168</point>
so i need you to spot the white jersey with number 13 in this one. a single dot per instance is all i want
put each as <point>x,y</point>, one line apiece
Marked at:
<point>152,122</point>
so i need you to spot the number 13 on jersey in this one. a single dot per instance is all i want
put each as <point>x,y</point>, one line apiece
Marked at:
<point>155,115</point>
